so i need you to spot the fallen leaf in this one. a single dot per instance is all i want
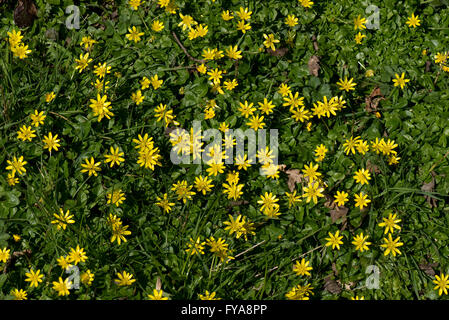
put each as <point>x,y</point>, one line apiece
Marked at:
<point>372,101</point>
<point>338,212</point>
<point>278,52</point>
<point>372,167</point>
<point>429,187</point>
<point>314,65</point>
<point>158,284</point>
<point>237,203</point>
<point>315,43</point>
<point>428,268</point>
<point>294,177</point>
<point>331,285</point>
<point>24,13</point>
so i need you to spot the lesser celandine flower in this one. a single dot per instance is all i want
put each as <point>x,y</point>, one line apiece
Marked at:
<point>124,279</point>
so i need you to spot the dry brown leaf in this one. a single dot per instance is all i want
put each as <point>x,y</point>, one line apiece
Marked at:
<point>331,285</point>
<point>315,43</point>
<point>347,286</point>
<point>294,177</point>
<point>24,13</point>
<point>428,268</point>
<point>158,284</point>
<point>429,187</point>
<point>338,212</point>
<point>314,65</point>
<point>329,202</point>
<point>278,52</point>
<point>372,167</point>
<point>237,203</point>
<point>372,101</point>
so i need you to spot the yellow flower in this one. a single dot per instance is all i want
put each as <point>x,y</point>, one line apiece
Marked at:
<point>4,255</point>
<point>26,133</point>
<point>359,37</point>
<point>303,268</point>
<point>34,278</point>
<point>187,22</point>
<point>115,157</point>
<point>64,262</point>
<point>49,97</point>
<point>37,118</point>
<point>116,197</point>
<point>87,277</point>
<point>208,296</point>
<point>15,38</point>
<point>164,203</point>
<point>63,219</point>
<point>51,142</point>
<point>203,184</point>
<point>77,255</point>
<point>369,73</point>
<point>182,189</point>
<point>400,81</point>
<point>215,75</point>
<point>390,223</point>
<point>21,51</point>
<point>135,4</point>
<point>291,20</point>
<point>201,30</point>
<point>119,232</point>
<point>346,85</point>
<point>306,3</point>
<point>202,68</point>
<point>244,13</point>
<point>233,52</point>
<point>442,283</point>
<point>87,42</point>
<point>359,23</point>
<point>195,246</point>
<point>391,245</point>
<point>157,295</point>
<point>157,26</point>
<point>82,62</point>
<point>270,41</point>
<point>310,171</point>
<point>284,89</point>
<point>362,176</point>
<point>62,287</point>
<point>313,191</point>
<point>134,34</point>
<point>292,198</point>
<point>256,122</point>
<point>341,198</point>
<point>19,294</point>
<point>101,70</point>
<point>225,15</point>
<point>156,82</point>
<point>361,200</point>
<point>242,26</point>
<point>334,240</point>
<point>101,107</point>
<point>246,109</point>
<point>350,145</point>
<point>16,165</point>
<point>91,166</point>
<point>413,21</point>
<point>360,242</point>
<point>266,106</point>
<point>137,97</point>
